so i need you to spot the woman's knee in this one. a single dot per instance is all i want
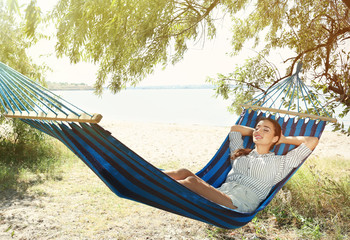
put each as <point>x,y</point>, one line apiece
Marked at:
<point>179,174</point>
<point>184,173</point>
<point>190,181</point>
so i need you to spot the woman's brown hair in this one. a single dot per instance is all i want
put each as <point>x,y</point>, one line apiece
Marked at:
<point>245,151</point>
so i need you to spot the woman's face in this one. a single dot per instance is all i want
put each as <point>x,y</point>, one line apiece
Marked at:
<point>264,133</point>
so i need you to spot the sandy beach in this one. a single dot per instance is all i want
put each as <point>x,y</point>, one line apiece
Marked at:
<point>77,205</point>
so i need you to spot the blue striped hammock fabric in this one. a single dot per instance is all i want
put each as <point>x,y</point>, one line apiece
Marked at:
<point>130,176</point>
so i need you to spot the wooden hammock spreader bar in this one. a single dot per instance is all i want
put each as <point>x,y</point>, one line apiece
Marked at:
<point>96,118</point>
<point>304,115</point>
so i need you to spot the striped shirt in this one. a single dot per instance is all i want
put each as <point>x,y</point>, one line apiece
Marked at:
<point>260,172</point>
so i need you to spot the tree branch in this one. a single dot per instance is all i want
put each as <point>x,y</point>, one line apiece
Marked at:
<point>329,42</point>
<point>206,13</point>
<point>347,3</point>
<point>246,83</point>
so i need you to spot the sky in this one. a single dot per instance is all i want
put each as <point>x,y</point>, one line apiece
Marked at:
<point>206,58</point>
<point>201,60</point>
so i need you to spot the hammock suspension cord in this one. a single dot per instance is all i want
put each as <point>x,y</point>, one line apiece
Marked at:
<point>23,98</point>
<point>289,93</point>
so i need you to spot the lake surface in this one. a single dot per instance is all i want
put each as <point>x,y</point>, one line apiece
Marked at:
<point>183,106</point>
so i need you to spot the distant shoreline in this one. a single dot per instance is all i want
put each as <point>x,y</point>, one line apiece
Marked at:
<point>64,86</point>
<point>70,89</point>
<point>78,87</point>
<point>172,87</point>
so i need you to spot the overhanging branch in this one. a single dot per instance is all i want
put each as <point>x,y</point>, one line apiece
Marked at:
<point>206,13</point>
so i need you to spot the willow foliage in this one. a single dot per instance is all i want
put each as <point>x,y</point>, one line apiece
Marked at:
<point>128,38</point>
<point>318,32</point>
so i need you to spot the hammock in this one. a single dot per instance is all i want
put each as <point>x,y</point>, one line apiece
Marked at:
<point>127,174</point>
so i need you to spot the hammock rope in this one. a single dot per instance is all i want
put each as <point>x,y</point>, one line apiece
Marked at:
<point>287,92</point>
<point>24,98</point>
<point>130,176</point>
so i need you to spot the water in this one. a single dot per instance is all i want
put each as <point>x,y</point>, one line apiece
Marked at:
<point>183,106</point>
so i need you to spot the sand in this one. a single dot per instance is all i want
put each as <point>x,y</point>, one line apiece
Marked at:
<point>77,205</point>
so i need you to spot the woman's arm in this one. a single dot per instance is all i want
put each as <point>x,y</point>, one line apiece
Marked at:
<point>245,131</point>
<point>310,142</point>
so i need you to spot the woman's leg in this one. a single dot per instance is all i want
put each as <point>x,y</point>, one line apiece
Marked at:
<point>196,184</point>
<point>204,189</point>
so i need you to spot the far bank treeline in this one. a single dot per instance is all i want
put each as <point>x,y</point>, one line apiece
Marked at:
<point>68,86</point>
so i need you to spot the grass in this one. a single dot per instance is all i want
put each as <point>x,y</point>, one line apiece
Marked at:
<point>30,163</point>
<point>314,204</point>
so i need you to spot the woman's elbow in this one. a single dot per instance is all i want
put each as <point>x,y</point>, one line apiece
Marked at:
<point>235,128</point>
<point>312,142</point>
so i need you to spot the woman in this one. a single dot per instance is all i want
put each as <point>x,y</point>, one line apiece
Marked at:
<point>254,172</point>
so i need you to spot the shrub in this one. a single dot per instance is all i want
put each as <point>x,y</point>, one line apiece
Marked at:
<point>24,149</point>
